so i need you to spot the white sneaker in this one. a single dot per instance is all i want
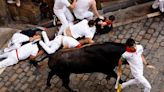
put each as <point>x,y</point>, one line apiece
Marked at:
<point>11,1</point>
<point>18,3</point>
<point>155,5</point>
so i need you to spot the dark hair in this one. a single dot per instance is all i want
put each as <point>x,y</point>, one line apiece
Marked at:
<point>91,23</point>
<point>111,17</point>
<point>30,32</point>
<point>130,42</point>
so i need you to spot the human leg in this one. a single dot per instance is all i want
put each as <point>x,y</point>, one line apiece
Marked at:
<point>4,55</point>
<point>13,47</point>
<point>145,83</point>
<point>7,62</point>
<point>61,16</point>
<point>69,15</point>
<point>130,82</point>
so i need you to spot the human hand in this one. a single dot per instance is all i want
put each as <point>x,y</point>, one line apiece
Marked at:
<point>101,17</point>
<point>150,66</point>
<point>36,37</point>
<point>119,73</point>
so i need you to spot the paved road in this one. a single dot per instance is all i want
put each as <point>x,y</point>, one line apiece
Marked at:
<point>149,32</point>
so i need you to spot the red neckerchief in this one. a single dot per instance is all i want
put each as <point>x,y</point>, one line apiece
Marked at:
<point>129,50</point>
<point>108,22</point>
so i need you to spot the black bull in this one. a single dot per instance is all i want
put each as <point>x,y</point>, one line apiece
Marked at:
<point>95,58</point>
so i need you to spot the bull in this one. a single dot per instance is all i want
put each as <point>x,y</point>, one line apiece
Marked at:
<point>94,58</point>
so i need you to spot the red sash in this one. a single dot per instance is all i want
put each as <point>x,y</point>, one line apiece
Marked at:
<point>17,54</point>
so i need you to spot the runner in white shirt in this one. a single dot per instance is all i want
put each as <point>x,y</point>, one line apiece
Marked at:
<point>134,57</point>
<point>21,37</point>
<point>29,50</point>
<point>63,13</point>
<point>84,28</point>
<point>82,7</point>
<point>51,46</point>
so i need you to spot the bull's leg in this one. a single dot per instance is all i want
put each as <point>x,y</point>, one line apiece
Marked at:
<point>51,73</point>
<point>65,79</point>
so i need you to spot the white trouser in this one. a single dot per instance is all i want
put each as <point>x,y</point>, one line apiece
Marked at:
<point>10,59</point>
<point>65,17</point>
<point>161,5</point>
<point>12,47</point>
<point>87,14</point>
<point>140,79</point>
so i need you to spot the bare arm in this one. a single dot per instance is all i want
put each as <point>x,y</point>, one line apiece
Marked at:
<point>146,63</point>
<point>94,8</point>
<point>144,60</point>
<point>119,66</point>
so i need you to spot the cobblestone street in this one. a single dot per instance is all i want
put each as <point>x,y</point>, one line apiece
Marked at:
<point>149,32</point>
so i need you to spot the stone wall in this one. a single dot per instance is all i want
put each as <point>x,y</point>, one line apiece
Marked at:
<point>28,12</point>
<point>3,13</point>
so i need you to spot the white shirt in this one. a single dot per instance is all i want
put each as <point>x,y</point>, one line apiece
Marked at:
<point>16,41</point>
<point>70,42</point>
<point>26,50</point>
<point>81,7</point>
<point>135,60</point>
<point>51,46</point>
<point>82,29</point>
<point>18,38</point>
<point>61,4</point>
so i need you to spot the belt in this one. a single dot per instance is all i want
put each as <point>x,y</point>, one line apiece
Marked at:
<point>17,54</point>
